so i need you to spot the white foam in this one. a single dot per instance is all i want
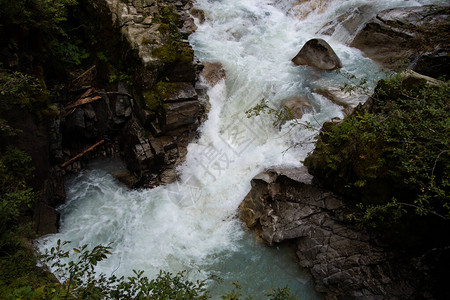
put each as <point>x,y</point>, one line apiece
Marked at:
<point>192,224</point>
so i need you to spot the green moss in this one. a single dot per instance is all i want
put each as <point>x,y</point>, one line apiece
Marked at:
<point>154,99</point>
<point>18,271</point>
<point>164,28</point>
<point>149,42</point>
<point>174,52</point>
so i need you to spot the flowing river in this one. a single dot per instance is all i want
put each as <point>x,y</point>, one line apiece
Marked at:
<point>192,224</point>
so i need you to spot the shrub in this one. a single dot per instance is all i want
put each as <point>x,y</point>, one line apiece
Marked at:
<point>392,157</point>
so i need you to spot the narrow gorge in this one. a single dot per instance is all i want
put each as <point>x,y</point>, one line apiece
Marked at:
<point>183,148</point>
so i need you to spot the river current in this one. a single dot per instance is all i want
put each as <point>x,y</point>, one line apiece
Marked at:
<point>192,224</point>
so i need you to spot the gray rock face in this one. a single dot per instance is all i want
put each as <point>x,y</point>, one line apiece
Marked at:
<point>185,92</point>
<point>318,53</point>
<point>150,140</point>
<point>343,261</point>
<point>181,114</point>
<point>396,36</point>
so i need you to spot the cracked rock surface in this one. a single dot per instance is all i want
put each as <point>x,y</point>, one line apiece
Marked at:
<point>344,262</point>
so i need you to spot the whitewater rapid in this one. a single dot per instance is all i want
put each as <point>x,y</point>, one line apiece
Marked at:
<point>192,224</point>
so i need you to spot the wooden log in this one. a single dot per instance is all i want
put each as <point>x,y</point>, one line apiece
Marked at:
<point>87,93</point>
<point>82,153</point>
<point>83,101</point>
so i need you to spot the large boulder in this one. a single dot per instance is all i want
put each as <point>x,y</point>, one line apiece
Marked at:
<point>345,262</point>
<point>397,36</point>
<point>319,54</point>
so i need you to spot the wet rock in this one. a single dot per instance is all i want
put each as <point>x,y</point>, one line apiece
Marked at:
<point>75,121</point>
<point>181,114</point>
<point>168,176</point>
<point>125,176</point>
<point>318,53</point>
<point>138,154</point>
<point>188,25</point>
<point>89,111</point>
<point>184,91</point>
<point>298,106</point>
<point>349,101</point>
<point>54,190</point>
<point>46,219</point>
<point>123,107</point>
<point>345,27</point>
<point>164,143</point>
<point>434,64</point>
<point>396,36</point>
<point>198,14</point>
<point>212,73</point>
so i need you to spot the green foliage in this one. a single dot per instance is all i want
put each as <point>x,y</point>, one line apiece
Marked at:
<point>6,130</point>
<point>15,195</point>
<point>115,78</point>
<point>19,91</point>
<point>80,281</point>
<point>35,31</point>
<point>353,83</point>
<point>22,90</point>
<point>69,53</point>
<point>276,294</point>
<point>235,293</point>
<point>392,156</point>
<point>154,99</point>
<point>20,276</point>
<point>279,116</point>
<point>45,14</point>
<point>281,294</point>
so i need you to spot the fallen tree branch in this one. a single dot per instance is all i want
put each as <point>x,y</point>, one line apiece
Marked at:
<point>82,153</point>
<point>83,101</point>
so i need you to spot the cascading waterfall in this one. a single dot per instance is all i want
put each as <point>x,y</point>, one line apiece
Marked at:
<point>191,224</point>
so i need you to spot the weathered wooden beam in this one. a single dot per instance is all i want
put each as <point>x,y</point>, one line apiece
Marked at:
<point>82,153</point>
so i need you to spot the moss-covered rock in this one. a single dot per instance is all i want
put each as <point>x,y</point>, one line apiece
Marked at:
<point>391,159</point>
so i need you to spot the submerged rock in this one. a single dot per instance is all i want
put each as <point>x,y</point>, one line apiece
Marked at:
<point>349,101</point>
<point>298,106</point>
<point>318,53</point>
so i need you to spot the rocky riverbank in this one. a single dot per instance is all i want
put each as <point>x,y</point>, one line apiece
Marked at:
<point>146,117</point>
<point>345,259</point>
